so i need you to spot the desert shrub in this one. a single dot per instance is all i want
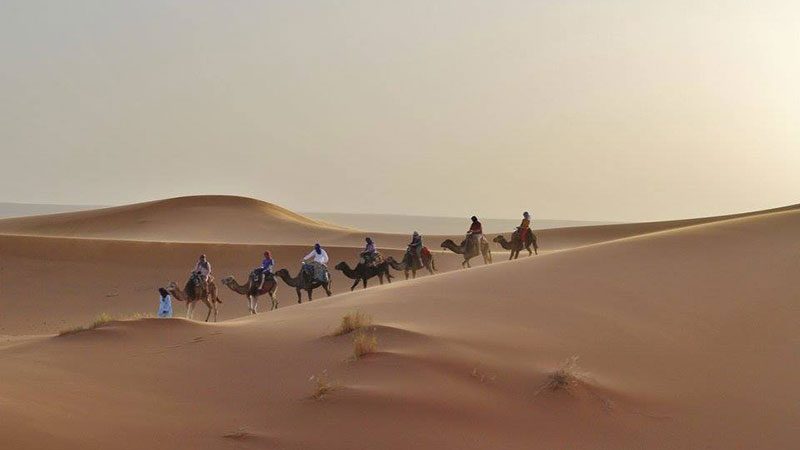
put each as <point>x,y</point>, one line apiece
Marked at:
<point>364,343</point>
<point>352,322</point>
<point>322,385</point>
<point>565,378</point>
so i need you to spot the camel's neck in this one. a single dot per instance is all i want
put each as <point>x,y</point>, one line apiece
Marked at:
<point>293,282</point>
<point>504,243</point>
<point>348,272</point>
<point>455,248</point>
<point>238,288</point>
<point>179,294</point>
<point>395,265</point>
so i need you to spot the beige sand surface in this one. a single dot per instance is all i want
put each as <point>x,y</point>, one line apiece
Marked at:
<point>687,338</point>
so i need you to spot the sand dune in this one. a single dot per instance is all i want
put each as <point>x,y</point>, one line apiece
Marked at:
<point>686,337</point>
<point>207,219</point>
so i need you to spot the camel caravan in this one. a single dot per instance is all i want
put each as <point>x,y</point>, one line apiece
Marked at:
<point>314,272</point>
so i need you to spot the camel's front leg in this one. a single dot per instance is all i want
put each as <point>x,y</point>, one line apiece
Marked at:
<point>255,304</point>
<point>190,310</point>
<point>365,283</point>
<point>309,291</point>
<point>210,307</point>
<point>299,298</point>
<point>327,289</point>
<point>274,300</point>
<point>355,283</point>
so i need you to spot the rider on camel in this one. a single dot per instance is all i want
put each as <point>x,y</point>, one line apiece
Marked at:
<point>415,247</point>
<point>525,227</point>
<point>319,261</point>
<point>267,268</point>
<point>370,252</point>
<point>475,233</point>
<point>203,268</point>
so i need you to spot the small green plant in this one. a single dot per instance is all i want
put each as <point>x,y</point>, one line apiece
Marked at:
<point>353,321</point>
<point>364,343</point>
<point>322,385</point>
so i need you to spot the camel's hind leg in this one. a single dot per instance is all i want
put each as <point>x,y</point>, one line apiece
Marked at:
<point>274,300</point>
<point>254,309</point>
<point>190,310</point>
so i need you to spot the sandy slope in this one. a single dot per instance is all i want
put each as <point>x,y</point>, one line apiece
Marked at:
<point>688,338</point>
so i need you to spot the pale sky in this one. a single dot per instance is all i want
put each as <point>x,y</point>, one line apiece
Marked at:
<point>588,110</point>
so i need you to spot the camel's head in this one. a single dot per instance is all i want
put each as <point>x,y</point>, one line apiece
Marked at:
<point>340,266</point>
<point>172,287</point>
<point>448,243</point>
<point>227,280</point>
<point>498,238</point>
<point>282,273</point>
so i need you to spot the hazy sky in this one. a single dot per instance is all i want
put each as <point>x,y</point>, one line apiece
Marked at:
<point>604,110</point>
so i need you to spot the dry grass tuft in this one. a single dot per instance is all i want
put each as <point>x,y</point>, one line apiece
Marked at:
<point>138,315</point>
<point>353,321</point>
<point>364,344</point>
<point>322,385</point>
<point>566,378</point>
<point>239,434</point>
<point>101,320</point>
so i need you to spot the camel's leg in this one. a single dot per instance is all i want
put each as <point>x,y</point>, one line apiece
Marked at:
<point>274,300</point>
<point>355,284</point>
<point>190,310</point>
<point>299,298</point>
<point>365,283</point>
<point>327,288</point>
<point>255,304</point>
<point>210,307</point>
<point>309,293</point>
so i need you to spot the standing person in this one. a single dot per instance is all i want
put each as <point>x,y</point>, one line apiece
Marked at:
<point>165,304</point>
<point>203,267</point>
<point>319,260</point>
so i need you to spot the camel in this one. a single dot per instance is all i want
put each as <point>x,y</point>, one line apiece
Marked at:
<point>516,245</point>
<point>194,291</point>
<point>363,272</point>
<point>252,291</point>
<point>303,281</point>
<point>461,250</point>
<point>407,266</point>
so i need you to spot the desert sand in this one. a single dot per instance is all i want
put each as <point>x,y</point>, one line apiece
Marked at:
<point>685,332</point>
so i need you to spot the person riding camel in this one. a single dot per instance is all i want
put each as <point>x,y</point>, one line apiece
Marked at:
<point>318,259</point>
<point>475,234</point>
<point>203,268</point>
<point>266,270</point>
<point>370,253</point>
<point>415,247</point>
<point>524,228</point>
